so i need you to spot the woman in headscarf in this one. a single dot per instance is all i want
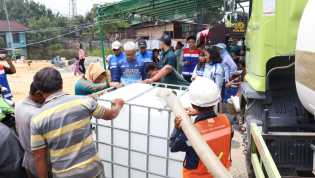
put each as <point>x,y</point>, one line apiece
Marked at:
<point>93,81</point>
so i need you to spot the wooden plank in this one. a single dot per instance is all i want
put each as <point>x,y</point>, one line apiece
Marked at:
<point>259,173</point>
<point>264,153</point>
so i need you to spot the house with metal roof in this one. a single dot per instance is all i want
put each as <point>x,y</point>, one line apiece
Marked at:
<point>14,36</point>
<point>153,30</point>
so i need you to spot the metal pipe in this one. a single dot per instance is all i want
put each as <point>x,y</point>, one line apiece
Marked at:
<point>129,141</point>
<point>205,153</point>
<point>148,142</point>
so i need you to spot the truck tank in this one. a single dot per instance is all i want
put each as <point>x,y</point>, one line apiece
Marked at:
<point>305,59</point>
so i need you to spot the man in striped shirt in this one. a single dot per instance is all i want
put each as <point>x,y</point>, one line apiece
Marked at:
<point>61,131</point>
<point>191,58</point>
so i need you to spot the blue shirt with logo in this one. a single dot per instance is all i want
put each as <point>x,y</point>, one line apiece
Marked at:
<point>146,57</point>
<point>113,66</point>
<point>130,71</point>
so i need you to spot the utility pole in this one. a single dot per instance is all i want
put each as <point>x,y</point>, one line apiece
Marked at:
<point>74,8</point>
<point>6,14</point>
<point>69,8</point>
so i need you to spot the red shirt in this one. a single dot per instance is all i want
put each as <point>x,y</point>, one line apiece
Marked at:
<point>191,58</point>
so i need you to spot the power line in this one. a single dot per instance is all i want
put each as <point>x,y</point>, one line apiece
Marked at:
<point>49,39</point>
<point>59,36</point>
<point>53,29</point>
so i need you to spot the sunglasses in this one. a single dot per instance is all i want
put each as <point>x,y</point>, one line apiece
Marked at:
<point>115,49</point>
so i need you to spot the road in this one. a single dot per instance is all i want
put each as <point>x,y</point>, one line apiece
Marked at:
<point>238,169</point>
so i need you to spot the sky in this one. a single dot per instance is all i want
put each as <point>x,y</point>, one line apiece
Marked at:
<point>62,6</point>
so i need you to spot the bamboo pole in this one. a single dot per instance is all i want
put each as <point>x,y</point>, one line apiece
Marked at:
<point>205,153</point>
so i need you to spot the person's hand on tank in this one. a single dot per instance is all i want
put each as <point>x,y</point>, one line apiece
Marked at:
<point>118,103</point>
<point>177,121</point>
<point>115,84</point>
<point>148,81</point>
<point>191,111</point>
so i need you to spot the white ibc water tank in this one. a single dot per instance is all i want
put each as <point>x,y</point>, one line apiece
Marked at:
<point>135,144</point>
<point>305,58</point>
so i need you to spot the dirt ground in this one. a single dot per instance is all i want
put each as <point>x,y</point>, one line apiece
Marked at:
<point>20,82</point>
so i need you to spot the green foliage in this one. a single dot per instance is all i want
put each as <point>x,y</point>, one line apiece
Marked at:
<point>42,21</point>
<point>67,53</point>
<point>55,46</point>
<point>95,52</point>
<point>45,24</point>
<point>108,27</point>
<point>22,10</point>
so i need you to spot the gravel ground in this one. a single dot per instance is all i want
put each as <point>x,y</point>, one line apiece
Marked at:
<point>238,169</point>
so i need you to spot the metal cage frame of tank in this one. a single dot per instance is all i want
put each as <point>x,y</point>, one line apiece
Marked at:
<point>148,135</point>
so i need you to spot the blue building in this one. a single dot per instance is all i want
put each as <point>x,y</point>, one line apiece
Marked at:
<point>14,36</point>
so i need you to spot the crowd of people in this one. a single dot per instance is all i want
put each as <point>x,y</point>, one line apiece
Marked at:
<point>131,63</point>
<point>52,135</point>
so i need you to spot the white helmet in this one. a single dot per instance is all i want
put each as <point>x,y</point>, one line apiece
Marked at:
<point>116,45</point>
<point>203,92</point>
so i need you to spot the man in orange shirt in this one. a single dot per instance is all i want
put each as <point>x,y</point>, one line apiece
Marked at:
<point>215,128</point>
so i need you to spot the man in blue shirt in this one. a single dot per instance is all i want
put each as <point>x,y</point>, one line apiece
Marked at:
<point>4,70</point>
<point>144,54</point>
<point>114,60</point>
<point>130,69</point>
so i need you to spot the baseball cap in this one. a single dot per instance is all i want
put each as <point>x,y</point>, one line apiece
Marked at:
<point>142,44</point>
<point>166,39</point>
<point>116,45</point>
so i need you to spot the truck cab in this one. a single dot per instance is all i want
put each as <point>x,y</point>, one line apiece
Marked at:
<point>269,96</point>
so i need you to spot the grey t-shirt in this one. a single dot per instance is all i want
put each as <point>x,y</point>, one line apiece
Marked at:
<point>24,111</point>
